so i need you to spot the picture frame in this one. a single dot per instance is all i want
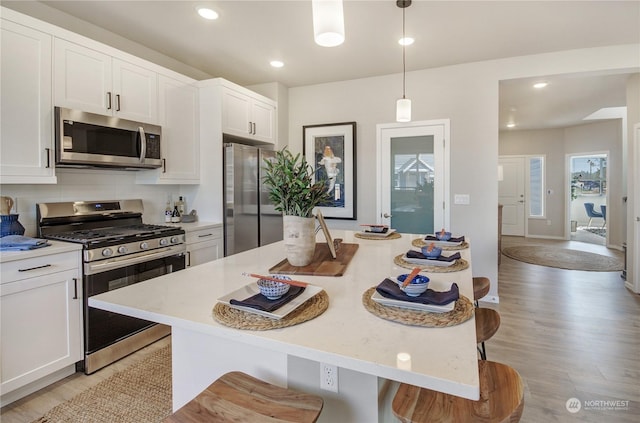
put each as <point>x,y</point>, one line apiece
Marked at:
<point>327,234</point>
<point>330,149</point>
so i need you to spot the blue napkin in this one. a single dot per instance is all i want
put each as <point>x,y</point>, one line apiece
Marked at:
<point>418,255</point>
<point>452,239</point>
<point>260,302</point>
<point>389,289</point>
<point>20,242</point>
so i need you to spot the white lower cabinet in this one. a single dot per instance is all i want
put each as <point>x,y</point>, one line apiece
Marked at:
<point>41,319</point>
<point>204,244</point>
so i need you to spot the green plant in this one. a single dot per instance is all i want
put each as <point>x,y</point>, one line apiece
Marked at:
<point>292,190</point>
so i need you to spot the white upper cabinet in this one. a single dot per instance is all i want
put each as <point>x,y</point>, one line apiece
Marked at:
<point>248,115</point>
<point>180,142</point>
<point>26,110</point>
<point>95,82</point>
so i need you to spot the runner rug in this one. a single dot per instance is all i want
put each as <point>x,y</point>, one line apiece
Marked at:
<point>139,393</point>
<point>563,258</point>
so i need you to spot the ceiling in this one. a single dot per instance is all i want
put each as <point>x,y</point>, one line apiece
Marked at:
<point>248,34</point>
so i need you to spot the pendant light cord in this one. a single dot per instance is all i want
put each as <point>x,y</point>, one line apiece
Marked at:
<point>404,66</point>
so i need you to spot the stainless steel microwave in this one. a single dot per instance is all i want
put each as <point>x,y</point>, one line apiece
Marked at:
<point>89,140</point>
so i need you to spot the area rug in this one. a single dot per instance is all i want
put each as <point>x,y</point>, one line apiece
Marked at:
<point>563,258</point>
<point>597,231</point>
<point>139,393</point>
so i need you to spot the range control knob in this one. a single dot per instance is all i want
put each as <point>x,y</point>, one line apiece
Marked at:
<point>107,252</point>
<point>164,241</point>
<point>122,249</point>
<point>174,240</point>
<point>144,245</point>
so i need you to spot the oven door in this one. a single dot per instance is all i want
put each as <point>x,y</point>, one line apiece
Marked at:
<point>103,328</point>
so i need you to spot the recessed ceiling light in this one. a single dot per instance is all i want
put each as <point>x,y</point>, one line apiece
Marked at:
<point>540,85</point>
<point>511,125</point>
<point>276,63</point>
<point>208,13</point>
<point>406,41</point>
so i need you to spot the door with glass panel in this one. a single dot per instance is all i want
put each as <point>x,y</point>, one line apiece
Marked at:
<point>412,176</point>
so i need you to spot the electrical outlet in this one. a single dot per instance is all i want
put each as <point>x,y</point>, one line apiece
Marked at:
<point>328,377</point>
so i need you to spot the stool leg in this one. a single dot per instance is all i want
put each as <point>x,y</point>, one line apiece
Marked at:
<point>482,351</point>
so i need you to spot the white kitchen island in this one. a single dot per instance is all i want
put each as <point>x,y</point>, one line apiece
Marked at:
<point>363,346</point>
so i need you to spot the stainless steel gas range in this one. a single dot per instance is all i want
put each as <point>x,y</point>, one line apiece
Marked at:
<point>118,250</point>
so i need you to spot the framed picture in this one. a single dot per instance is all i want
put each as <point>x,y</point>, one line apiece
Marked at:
<point>327,234</point>
<point>330,149</point>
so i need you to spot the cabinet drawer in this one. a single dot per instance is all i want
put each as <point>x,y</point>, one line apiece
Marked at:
<point>38,266</point>
<point>203,235</point>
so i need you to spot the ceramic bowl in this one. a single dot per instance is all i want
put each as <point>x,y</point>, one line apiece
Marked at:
<point>274,290</point>
<point>418,285</point>
<point>433,254</point>
<point>443,236</point>
<point>378,229</point>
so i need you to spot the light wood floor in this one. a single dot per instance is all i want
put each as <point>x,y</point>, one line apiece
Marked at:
<point>570,334</point>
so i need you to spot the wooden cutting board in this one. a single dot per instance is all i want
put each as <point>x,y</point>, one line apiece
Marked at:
<point>323,264</point>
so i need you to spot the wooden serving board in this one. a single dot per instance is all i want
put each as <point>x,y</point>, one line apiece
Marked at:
<point>323,264</point>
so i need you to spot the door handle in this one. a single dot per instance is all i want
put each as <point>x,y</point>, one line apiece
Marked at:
<point>387,215</point>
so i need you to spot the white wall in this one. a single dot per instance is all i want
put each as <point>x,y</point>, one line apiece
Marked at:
<point>89,185</point>
<point>468,95</point>
<point>633,182</point>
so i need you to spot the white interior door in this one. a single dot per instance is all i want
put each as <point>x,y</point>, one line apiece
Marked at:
<point>413,176</point>
<point>635,250</point>
<point>512,195</point>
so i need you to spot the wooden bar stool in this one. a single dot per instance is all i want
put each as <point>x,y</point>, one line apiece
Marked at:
<point>481,287</point>
<point>238,397</point>
<point>487,324</point>
<point>501,400</point>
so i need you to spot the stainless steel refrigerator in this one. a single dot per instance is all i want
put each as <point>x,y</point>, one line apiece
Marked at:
<point>250,219</point>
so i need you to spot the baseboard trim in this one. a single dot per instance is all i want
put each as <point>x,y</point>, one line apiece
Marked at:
<point>559,238</point>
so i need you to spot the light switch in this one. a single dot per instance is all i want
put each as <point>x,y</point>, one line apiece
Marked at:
<point>461,199</point>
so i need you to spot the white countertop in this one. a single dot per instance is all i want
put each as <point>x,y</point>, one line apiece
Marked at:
<point>55,248</point>
<point>346,334</point>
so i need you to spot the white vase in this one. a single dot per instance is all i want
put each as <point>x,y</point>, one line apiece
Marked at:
<point>299,234</point>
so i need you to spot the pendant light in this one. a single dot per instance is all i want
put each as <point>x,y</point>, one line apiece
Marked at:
<point>328,22</point>
<point>403,105</point>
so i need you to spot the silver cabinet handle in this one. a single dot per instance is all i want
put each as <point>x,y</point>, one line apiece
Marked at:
<point>108,100</point>
<point>164,165</point>
<point>250,127</point>
<point>48,150</point>
<point>254,128</point>
<point>117,102</point>
<point>387,215</point>
<point>75,289</point>
<point>204,236</point>
<point>188,258</point>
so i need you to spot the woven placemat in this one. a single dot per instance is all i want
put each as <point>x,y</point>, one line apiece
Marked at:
<point>460,264</point>
<point>418,242</point>
<point>462,312</point>
<point>394,235</point>
<point>240,319</point>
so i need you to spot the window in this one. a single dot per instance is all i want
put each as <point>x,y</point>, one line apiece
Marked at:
<point>536,187</point>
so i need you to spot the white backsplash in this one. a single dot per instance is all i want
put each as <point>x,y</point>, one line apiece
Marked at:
<point>87,185</point>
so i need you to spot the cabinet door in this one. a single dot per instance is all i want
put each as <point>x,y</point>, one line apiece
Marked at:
<point>41,327</point>
<point>135,91</point>
<point>83,78</point>
<point>203,252</point>
<point>179,118</point>
<point>26,133</point>
<point>263,116</point>
<point>236,114</point>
